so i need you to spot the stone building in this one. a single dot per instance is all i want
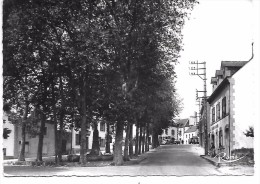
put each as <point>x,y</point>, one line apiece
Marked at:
<point>232,106</point>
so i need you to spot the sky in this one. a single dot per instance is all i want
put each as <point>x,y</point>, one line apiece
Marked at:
<point>217,30</point>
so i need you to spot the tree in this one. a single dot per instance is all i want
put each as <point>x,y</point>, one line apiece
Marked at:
<point>6,133</point>
<point>249,132</point>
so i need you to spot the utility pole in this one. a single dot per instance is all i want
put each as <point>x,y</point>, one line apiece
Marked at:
<point>195,70</point>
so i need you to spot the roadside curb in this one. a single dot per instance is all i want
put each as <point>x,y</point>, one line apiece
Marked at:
<point>217,164</point>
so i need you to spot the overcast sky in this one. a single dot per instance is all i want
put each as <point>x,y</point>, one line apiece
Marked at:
<point>217,30</point>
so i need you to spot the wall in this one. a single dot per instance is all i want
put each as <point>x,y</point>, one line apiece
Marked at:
<point>102,135</point>
<point>189,135</point>
<point>8,143</point>
<point>220,124</point>
<point>32,146</point>
<point>245,110</point>
<point>170,132</point>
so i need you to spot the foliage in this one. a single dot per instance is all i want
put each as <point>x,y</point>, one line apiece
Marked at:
<point>6,133</point>
<point>79,61</point>
<point>249,132</point>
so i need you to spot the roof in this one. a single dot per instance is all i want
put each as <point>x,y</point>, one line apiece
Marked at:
<point>182,122</point>
<point>213,80</point>
<point>219,72</point>
<point>218,90</point>
<point>191,129</point>
<point>233,63</point>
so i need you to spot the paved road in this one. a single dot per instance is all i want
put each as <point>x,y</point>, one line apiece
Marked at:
<point>174,160</point>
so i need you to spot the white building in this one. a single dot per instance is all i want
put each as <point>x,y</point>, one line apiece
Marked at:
<point>190,133</point>
<point>176,131</point>
<point>12,144</point>
<point>233,105</point>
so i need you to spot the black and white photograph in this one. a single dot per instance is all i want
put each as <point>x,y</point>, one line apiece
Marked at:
<point>150,90</point>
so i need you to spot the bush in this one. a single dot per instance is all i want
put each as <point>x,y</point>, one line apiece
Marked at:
<point>248,153</point>
<point>73,158</point>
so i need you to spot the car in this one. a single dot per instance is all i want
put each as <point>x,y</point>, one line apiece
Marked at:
<point>176,142</point>
<point>163,142</point>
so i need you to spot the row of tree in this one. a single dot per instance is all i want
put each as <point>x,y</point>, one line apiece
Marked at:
<point>79,62</point>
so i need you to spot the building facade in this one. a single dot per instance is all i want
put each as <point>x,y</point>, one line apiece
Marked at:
<point>231,113</point>
<point>176,131</point>
<point>191,135</point>
<point>12,144</point>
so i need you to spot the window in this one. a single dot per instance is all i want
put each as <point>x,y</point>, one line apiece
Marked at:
<point>224,112</point>
<point>173,132</point>
<point>102,126</point>
<point>218,111</point>
<point>102,142</point>
<point>180,132</point>
<point>220,138</point>
<point>78,137</point>
<point>213,114</point>
<point>4,151</point>
<point>186,136</point>
<point>166,131</point>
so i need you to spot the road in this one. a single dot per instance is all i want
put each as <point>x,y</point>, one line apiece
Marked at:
<point>167,160</point>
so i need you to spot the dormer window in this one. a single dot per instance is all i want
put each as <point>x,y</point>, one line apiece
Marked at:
<point>219,74</point>
<point>214,80</point>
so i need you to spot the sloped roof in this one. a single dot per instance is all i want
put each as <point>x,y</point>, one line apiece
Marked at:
<point>182,122</point>
<point>233,63</point>
<point>219,72</point>
<point>191,129</point>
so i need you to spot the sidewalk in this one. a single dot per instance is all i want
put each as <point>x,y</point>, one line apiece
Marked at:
<point>230,168</point>
<point>133,161</point>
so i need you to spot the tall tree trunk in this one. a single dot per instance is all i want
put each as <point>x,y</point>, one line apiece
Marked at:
<point>55,137</point>
<point>83,126</point>
<point>131,152</point>
<point>155,141</point>
<point>140,140</point>
<point>41,136</point>
<point>95,144</point>
<point>147,138</point>
<point>60,136</point>
<point>55,123</point>
<point>136,139</point>
<point>62,112</point>
<point>22,151</point>
<point>143,139</point>
<point>107,138</point>
<point>126,154</point>
<point>118,158</point>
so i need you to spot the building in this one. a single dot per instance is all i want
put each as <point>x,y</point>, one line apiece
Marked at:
<point>169,133</point>
<point>191,135</point>
<point>176,131</point>
<point>12,144</point>
<point>232,105</point>
<point>89,139</point>
<point>182,125</point>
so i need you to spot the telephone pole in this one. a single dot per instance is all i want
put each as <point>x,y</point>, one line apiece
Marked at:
<point>199,69</point>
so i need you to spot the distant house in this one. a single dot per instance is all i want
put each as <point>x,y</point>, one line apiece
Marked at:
<point>175,131</point>
<point>102,138</point>
<point>232,105</point>
<point>191,135</point>
<point>12,144</point>
<point>182,125</point>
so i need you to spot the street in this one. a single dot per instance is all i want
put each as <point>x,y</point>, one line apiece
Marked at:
<point>167,160</point>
